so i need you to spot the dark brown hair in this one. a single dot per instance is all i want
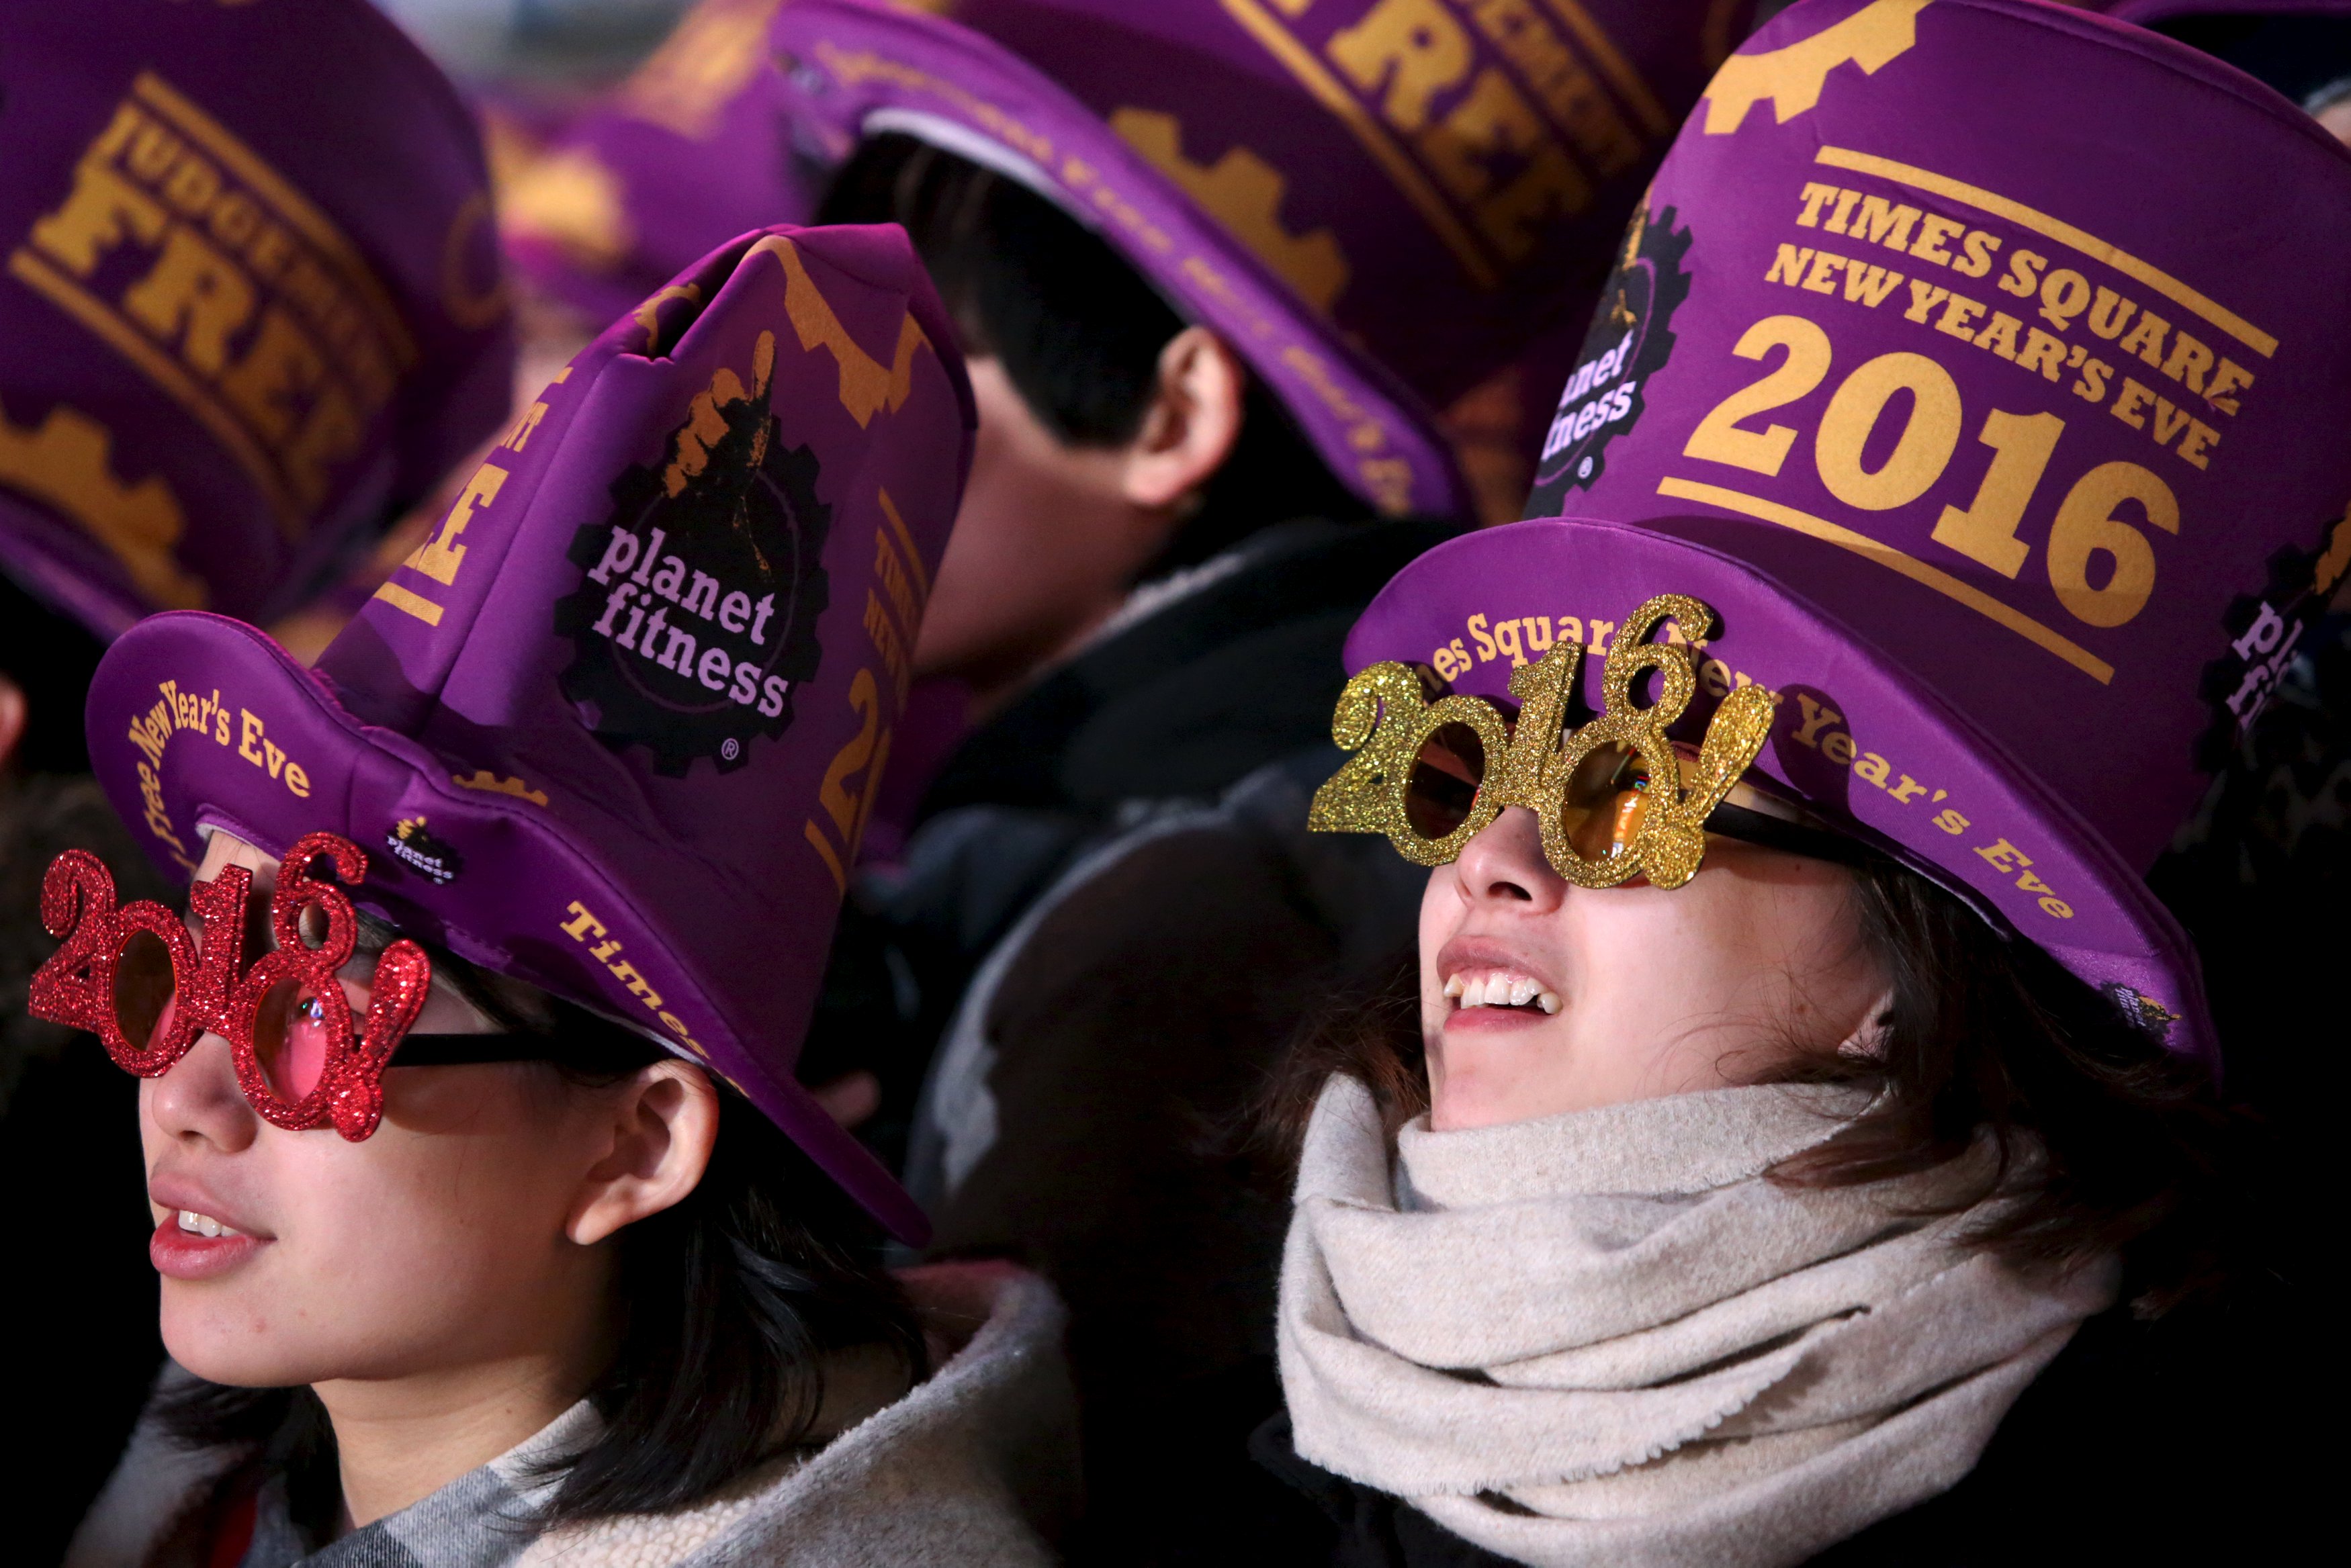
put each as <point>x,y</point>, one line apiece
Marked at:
<point>1984,1034</point>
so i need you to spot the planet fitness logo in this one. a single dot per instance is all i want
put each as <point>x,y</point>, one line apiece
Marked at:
<point>696,616</point>
<point>2264,634</point>
<point>1629,342</point>
<point>434,858</point>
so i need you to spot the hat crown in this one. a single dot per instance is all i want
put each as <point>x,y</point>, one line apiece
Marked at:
<point>2009,401</point>
<point>615,727</point>
<point>254,292</point>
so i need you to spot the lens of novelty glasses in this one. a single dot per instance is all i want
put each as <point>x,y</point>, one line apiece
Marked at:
<point>145,990</point>
<point>1445,779</point>
<point>1605,798</point>
<point>292,1032</point>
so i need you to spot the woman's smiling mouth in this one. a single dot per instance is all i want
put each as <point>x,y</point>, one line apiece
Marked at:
<point>188,1245</point>
<point>192,1241</point>
<point>1499,988</point>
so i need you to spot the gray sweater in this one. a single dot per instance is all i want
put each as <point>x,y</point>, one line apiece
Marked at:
<point>974,1466</point>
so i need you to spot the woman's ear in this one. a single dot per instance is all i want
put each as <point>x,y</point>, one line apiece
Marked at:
<point>1867,1041</point>
<point>663,1123</point>
<point>1194,421</point>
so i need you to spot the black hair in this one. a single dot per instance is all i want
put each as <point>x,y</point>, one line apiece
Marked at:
<point>730,1301</point>
<point>53,658</point>
<point>1077,329</point>
<point>1984,1034</point>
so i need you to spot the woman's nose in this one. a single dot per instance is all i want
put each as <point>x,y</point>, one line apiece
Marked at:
<point>1505,864</point>
<point>199,1100</point>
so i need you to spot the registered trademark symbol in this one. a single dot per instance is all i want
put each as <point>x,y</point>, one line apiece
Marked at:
<point>1583,469</point>
<point>730,748</point>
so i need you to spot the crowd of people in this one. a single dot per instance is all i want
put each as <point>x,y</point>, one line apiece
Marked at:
<point>1401,783</point>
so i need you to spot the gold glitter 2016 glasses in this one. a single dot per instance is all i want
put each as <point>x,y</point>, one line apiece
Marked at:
<point>1616,799</point>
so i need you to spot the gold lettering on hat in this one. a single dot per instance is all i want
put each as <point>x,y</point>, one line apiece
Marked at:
<point>584,926</point>
<point>1489,120</point>
<point>2066,234</point>
<point>1384,718</point>
<point>895,598</point>
<point>245,305</point>
<point>2080,324</point>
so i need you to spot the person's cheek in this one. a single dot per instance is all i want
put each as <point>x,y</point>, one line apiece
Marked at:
<point>372,1251</point>
<point>1440,917</point>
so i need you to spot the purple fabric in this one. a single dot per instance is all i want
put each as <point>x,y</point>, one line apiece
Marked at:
<point>533,790</point>
<point>252,298</point>
<point>1953,528</point>
<point>694,147</point>
<point>1377,201</point>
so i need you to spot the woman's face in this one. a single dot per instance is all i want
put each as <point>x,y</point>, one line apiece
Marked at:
<point>439,1242</point>
<point>1539,997</point>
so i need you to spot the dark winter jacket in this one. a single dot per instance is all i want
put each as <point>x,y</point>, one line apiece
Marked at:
<point>1111,920</point>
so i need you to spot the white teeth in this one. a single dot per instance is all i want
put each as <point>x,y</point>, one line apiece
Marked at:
<point>1496,989</point>
<point>204,1224</point>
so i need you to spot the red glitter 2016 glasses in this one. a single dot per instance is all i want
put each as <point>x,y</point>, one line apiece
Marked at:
<point>135,978</point>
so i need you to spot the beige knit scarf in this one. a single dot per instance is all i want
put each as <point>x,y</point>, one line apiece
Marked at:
<point>1604,1338</point>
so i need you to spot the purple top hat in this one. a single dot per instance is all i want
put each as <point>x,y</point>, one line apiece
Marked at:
<point>252,299</point>
<point>695,147</point>
<point>1376,202</point>
<point>2008,450</point>
<point>614,728</point>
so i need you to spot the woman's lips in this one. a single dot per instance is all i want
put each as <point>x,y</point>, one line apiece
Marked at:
<point>1494,1020</point>
<point>184,1255</point>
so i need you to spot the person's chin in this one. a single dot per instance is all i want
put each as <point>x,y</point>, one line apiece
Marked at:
<point>1487,1076</point>
<point>220,1344</point>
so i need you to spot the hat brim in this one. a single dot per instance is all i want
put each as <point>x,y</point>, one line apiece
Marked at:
<point>69,572</point>
<point>1856,734</point>
<point>931,79</point>
<point>198,721</point>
